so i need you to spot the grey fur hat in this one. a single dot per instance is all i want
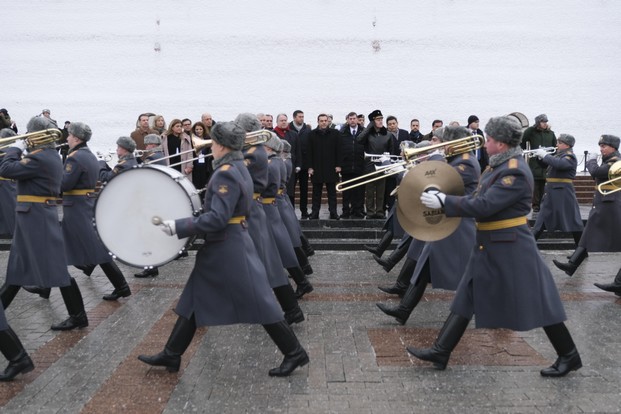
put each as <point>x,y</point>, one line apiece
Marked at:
<point>567,139</point>
<point>286,147</point>
<point>504,129</point>
<point>152,139</point>
<point>541,118</point>
<point>609,140</point>
<point>451,133</point>
<point>249,122</point>
<point>229,134</point>
<point>127,143</point>
<point>439,133</point>
<point>39,123</point>
<point>7,133</point>
<point>407,144</point>
<point>80,130</point>
<point>423,143</point>
<point>274,143</point>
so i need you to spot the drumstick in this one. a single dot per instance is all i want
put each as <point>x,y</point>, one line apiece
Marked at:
<point>156,220</point>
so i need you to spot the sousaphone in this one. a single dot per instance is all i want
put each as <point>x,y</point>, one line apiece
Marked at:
<point>417,220</point>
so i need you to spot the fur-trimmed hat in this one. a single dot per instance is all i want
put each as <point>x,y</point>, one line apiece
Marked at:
<point>286,147</point>
<point>451,133</point>
<point>127,143</point>
<point>504,129</point>
<point>610,140</point>
<point>407,144</point>
<point>472,118</point>
<point>249,122</point>
<point>152,139</point>
<point>567,139</point>
<point>423,143</point>
<point>7,132</point>
<point>541,118</point>
<point>438,133</point>
<point>39,123</point>
<point>229,134</point>
<point>274,142</point>
<point>375,114</point>
<point>80,130</point>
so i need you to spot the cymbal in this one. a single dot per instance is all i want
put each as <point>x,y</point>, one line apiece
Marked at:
<point>420,222</point>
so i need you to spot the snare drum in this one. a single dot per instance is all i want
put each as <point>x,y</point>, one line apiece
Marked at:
<point>128,202</point>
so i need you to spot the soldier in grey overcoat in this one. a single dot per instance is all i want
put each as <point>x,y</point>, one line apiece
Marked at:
<point>13,350</point>
<point>153,150</point>
<point>8,192</point>
<point>228,284</point>
<point>283,241</point>
<point>603,227</point>
<point>84,249</point>
<point>255,158</point>
<point>125,147</point>
<point>559,207</point>
<point>506,283</point>
<point>37,255</point>
<point>441,262</point>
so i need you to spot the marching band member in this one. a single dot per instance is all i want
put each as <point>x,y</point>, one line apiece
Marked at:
<point>228,284</point>
<point>433,264</point>
<point>83,247</point>
<point>501,288</point>
<point>559,207</point>
<point>153,150</point>
<point>255,158</point>
<point>125,147</point>
<point>8,192</point>
<point>37,255</point>
<point>604,222</point>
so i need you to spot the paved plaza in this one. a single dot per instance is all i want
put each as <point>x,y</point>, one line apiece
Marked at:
<point>358,359</point>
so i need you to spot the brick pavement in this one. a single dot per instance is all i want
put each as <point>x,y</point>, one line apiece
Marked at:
<point>358,358</point>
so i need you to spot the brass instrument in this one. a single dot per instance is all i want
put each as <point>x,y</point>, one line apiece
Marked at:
<point>198,145</point>
<point>257,137</point>
<point>34,139</point>
<point>381,157</point>
<point>528,153</point>
<point>413,155</point>
<point>614,180</point>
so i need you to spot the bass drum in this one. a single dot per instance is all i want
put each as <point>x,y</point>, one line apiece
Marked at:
<point>126,206</point>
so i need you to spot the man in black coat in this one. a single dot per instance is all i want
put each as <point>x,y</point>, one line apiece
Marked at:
<point>352,167</point>
<point>481,153</point>
<point>303,131</point>
<point>324,164</point>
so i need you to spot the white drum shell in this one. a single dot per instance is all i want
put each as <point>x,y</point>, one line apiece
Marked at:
<point>126,206</point>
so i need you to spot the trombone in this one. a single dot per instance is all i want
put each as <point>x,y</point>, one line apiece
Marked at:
<point>383,157</point>
<point>34,139</point>
<point>612,185</point>
<point>197,143</point>
<point>413,155</point>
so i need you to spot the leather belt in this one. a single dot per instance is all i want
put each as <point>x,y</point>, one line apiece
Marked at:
<point>37,199</point>
<point>502,224</point>
<point>80,191</point>
<point>559,180</point>
<point>237,220</point>
<point>256,196</point>
<point>280,191</point>
<point>268,200</point>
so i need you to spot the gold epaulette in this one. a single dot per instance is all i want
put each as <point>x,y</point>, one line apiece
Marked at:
<point>513,163</point>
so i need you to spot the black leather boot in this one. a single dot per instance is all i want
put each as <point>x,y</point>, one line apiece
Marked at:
<point>568,358</point>
<point>7,294</point>
<point>403,280</point>
<point>87,269</point>
<point>300,279</point>
<point>115,276</point>
<point>178,341</point>
<point>410,299</point>
<point>382,245</point>
<point>287,342</point>
<point>75,307</point>
<point>14,352</point>
<point>577,236</point>
<point>574,261</point>
<point>448,338</point>
<point>303,261</point>
<point>395,257</point>
<point>614,287</point>
<point>42,292</point>
<point>306,246</point>
<point>289,304</point>
<point>147,273</point>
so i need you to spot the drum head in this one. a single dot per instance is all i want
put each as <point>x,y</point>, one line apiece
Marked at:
<point>126,206</point>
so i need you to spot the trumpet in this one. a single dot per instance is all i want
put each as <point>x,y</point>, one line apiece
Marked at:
<point>383,157</point>
<point>141,153</point>
<point>614,180</point>
<point>34,139</point>
<point>411,156</point>
<point>527,153</point>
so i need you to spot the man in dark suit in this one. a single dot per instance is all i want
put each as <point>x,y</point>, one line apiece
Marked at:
<point>352,167</point>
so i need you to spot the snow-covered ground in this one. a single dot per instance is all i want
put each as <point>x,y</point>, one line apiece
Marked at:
<point>104,62</point>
